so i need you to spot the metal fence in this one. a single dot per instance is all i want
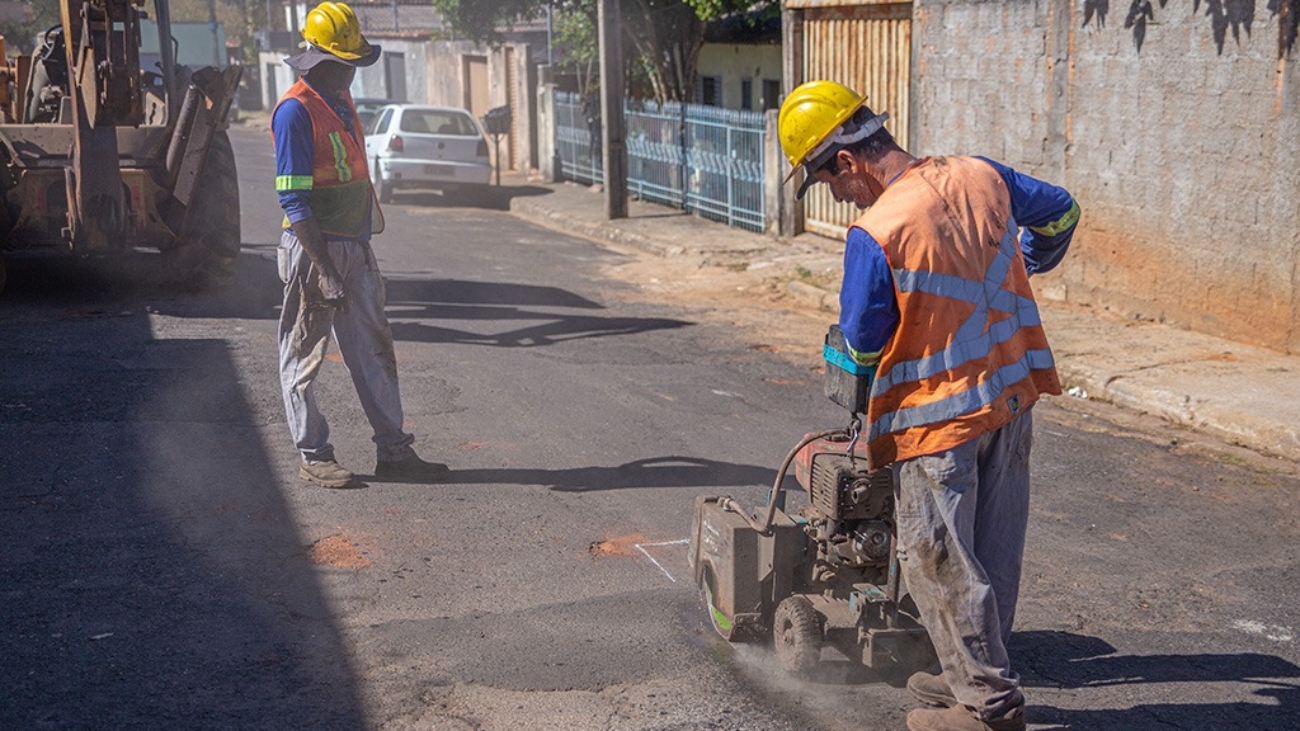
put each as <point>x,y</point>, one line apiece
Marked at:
<point>704,160</point>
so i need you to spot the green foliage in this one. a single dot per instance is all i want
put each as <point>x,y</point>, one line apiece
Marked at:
<point>574,30</point>
<point>574,34</point>
<point>20,36</point>
<point>710,10</point>
<point>661,38</point>
<point>480,19</point>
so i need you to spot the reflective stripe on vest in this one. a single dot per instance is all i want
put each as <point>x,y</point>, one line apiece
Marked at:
<point>974,340</point>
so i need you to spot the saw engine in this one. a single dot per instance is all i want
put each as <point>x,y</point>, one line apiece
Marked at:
<point>825,575</point>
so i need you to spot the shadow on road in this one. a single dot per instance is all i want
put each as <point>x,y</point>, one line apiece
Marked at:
<point>1072,661</point>
<point>152,574</point>
<point>654,472</point>
<point>492,197</point>
<point>492,301</point>
<point>138,282</point>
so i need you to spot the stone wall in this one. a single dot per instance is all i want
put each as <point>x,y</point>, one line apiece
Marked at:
<point>1179,137</point>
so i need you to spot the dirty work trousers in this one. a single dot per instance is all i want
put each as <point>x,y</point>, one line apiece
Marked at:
<point>961,518</point>
<point>365,342</point>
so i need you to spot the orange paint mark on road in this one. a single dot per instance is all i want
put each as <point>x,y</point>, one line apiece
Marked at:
<point>472,446</point>
<point>621,546</point>
<point>338,551</point>
<point>334,357</point>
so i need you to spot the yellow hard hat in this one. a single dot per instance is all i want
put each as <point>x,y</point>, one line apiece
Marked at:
<point>815,117</point>
<point>334,28</point>
<point>811,114</point>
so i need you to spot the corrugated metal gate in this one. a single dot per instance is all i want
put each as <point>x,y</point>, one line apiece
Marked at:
<point>516,110</point>
<point>868,48</point>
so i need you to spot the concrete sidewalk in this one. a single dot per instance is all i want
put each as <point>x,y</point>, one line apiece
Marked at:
<point>1248,396</point>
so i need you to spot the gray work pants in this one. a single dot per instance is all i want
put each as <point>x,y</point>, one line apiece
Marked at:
<point>961,518</point>
<point>365,342</point>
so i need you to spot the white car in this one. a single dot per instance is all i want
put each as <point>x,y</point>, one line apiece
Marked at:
<point>417,146</point>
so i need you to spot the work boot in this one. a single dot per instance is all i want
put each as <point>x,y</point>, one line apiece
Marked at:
<point>410,469</point>
<point>959,718</point>
<point>325,474</point>
<point>931,689</point>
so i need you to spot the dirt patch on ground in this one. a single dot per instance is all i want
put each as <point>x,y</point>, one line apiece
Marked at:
<point>754,301</point>
<point>339,551</point>
<point>620,546</point>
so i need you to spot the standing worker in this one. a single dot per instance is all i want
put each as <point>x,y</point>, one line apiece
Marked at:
<point>332,281</point>
<point>936,296</point>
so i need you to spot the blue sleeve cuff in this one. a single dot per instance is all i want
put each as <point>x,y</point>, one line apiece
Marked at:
<point>295,206</point>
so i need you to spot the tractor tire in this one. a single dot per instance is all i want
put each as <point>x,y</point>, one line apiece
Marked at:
<point>797,636</point>
<point>205,256</point>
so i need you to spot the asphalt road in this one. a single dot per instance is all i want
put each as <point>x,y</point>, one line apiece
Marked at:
<point>164,568</point>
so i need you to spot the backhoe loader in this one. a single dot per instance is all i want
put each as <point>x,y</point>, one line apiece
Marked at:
<point>100,155</point>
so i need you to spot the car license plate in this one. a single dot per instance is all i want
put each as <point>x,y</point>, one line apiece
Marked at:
<point>437,170</point>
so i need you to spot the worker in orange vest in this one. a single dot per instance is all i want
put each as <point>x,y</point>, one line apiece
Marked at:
<point>332,279</point>
<point>936,298</point>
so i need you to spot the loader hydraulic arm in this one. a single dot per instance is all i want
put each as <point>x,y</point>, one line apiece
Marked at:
<point>103,47</point>
<point>103,42</point>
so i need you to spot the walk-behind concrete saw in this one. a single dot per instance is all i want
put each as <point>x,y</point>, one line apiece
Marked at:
<point>826,576</point>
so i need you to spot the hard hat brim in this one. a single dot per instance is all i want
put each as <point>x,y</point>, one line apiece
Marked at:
<point>314,55</point>
<point>807,183</point>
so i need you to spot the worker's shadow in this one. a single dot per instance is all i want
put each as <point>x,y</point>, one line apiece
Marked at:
<point>653,472</point>
<point>1048,659</point>
<point>489,304</point>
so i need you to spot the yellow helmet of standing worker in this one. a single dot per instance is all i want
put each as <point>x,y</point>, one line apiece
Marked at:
<point>334,28</point>
<point>813,119</point>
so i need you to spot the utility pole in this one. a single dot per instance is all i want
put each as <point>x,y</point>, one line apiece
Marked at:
<point>293,27</point>
<point>218,50</point>
<point>613,147</point>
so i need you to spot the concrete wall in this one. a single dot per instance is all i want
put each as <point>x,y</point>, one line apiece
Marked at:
<point>735,62</point>
<point>1186,160</point>
<point>276,77</point>
<point>435,74</point>
<point>446,84</point>
<point>373,81</point>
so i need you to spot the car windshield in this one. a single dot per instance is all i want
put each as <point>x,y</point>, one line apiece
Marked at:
<point>438,122</point>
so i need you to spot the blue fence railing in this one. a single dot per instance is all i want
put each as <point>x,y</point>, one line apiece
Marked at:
<point>701,159</point>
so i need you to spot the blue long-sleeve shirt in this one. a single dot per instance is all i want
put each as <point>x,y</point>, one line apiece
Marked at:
<point>868,303</point>
<point>294,148</point>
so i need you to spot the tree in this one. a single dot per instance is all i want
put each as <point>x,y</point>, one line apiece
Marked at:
<point>575,32</point>
<point>665,35</point>
<point>20,36</point>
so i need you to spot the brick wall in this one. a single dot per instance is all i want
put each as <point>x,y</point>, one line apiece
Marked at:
<point>1186,160</point>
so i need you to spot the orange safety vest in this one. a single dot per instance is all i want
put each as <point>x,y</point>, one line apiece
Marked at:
<point>969,353</point>
<point>338,190</point>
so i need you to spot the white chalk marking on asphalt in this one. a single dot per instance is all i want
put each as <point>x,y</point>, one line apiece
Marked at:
<point>642,546</point>
<point>1270,631</point>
